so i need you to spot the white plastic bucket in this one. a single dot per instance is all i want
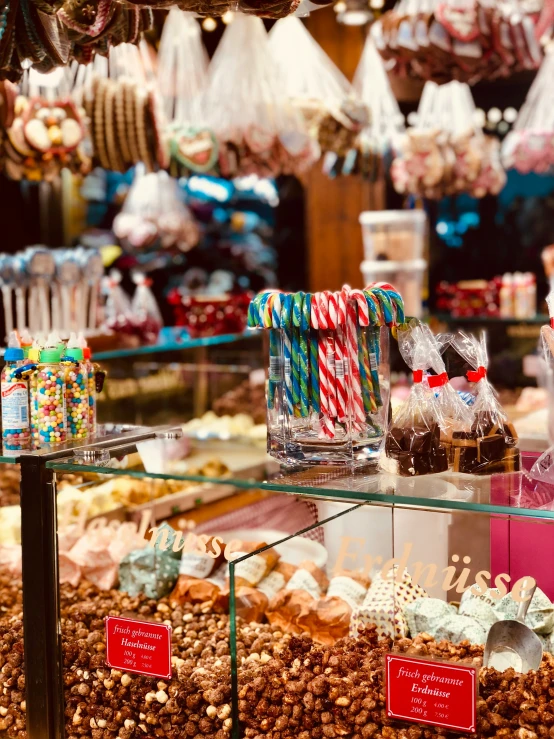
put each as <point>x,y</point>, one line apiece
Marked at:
<point>407,278</point>
<point>396,235</point>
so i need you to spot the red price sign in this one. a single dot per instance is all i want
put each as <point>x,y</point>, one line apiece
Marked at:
<point>427,692</point>
<point>138,646</point>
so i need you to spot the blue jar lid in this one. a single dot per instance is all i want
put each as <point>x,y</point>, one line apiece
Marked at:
<point>13,354</point>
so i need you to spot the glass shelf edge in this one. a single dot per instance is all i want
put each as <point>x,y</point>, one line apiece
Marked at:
<point>337,494</point>
<point>174,345</point>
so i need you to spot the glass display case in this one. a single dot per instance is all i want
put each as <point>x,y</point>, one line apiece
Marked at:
<point>300,602</point>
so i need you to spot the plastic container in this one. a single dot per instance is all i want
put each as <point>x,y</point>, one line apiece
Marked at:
<point>407,278</point>
<point>49,399</point>
<point>396,235</point>
<point>16,434</point>
<point>76,391</point>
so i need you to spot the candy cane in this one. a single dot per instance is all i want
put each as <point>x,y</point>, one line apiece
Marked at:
<point>287,351</point>
<point>340,356</point>
<point>326,426</point>
<point>302,351</point>
<point>328,311</point>
<point>274,349</point>
<point>352,355</point>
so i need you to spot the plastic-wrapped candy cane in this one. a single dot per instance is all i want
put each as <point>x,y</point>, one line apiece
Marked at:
<point>327,392</point>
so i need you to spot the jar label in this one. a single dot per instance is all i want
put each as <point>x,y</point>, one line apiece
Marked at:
<point>15,405</point>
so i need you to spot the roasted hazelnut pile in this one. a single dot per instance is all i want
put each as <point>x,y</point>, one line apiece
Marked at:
<point>289,686</point>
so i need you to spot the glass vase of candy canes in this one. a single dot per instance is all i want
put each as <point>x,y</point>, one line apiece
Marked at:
<point>328,379</point>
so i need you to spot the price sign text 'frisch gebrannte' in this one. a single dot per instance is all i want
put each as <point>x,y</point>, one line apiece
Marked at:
<point>138,646</point>
<point>427,692</point>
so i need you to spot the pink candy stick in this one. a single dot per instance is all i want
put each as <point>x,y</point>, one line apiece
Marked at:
<point>319,321</point>
<point>352,354</point>
<point>341,375</point>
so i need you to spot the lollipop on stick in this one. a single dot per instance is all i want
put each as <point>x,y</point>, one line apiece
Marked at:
<point>6,281</point>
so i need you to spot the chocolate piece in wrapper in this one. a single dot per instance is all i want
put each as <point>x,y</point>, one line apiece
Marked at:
<point>491,449</point>
<point>384,604</point>
<point>423,439</point>
<point>192,590</point>
<point>289,609</point>
<point>540,616</point>
<point>458,628</point>
<point>148,571</point>
<point>438,460</point>
<point>424,615</point>
<point>484,423</point>
<point>309,577</point>
<point>327,620</point>
<point>251,571</point>
<point>394,441</point>
<point>277,579</point>
<point>413,464</point>
<point>251,604</point>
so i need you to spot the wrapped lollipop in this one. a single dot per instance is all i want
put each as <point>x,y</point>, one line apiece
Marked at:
<point>145,308</point>
<point>490,445</point>
<point>41,268</point>
<point>67,277</point>
<point>6,283</point>
<point>418,441</point>
<point>21,281</point>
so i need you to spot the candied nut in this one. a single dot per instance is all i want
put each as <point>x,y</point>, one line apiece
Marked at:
<point>211,711</point>
<point>224,711</point>
<point>342,701</point>
<point>161,696</point>
<point>149,697</point>
<point>108,684</point>
<point>125,680</point>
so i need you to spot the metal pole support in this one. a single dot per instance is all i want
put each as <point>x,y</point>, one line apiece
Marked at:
<point>41,601</point>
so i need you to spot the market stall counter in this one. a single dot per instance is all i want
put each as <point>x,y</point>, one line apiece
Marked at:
<point>290,603</point>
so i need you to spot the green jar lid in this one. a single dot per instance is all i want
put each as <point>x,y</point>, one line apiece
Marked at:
<point>51,354</point>
<point>73,354</point>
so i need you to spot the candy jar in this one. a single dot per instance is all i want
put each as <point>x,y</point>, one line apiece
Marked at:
<point>16,435</point>
<point>91,383</point>
<point>50,397</point>
<point>33,355</point>
<point>76,390</point>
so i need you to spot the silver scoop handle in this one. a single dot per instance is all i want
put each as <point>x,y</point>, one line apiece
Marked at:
<point>527,596</point>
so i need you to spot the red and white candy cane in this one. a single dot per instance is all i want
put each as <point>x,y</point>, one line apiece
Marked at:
<point>326,426</point>
<point>341,373</point>
<point>328,308</point>
<point>352,355</point>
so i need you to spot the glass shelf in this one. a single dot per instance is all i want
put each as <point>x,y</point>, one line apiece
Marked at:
<point>514,494</point>
<point>172,340</point>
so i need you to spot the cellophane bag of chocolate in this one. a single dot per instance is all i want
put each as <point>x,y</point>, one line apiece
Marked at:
<point>490,445</point>
<point>417,441</point>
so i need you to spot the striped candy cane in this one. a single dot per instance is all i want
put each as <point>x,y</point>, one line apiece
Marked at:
<point>352,355</point>
<point>319,322</point>
<point>287,351</point>
<point>341,362</point>
<point>330,313</point>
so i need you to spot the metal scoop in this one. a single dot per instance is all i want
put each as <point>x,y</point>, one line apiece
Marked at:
<point>511,643</point>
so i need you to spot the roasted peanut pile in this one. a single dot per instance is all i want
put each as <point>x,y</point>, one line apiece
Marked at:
<point>289,686</point>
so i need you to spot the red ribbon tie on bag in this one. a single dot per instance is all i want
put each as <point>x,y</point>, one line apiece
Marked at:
<point>552,323</point>
<point>418,375</point>
<point>476,375</point>
<point>437,380</point>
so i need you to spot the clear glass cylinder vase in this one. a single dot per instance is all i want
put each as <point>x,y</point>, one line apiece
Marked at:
<point>328,394</point>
